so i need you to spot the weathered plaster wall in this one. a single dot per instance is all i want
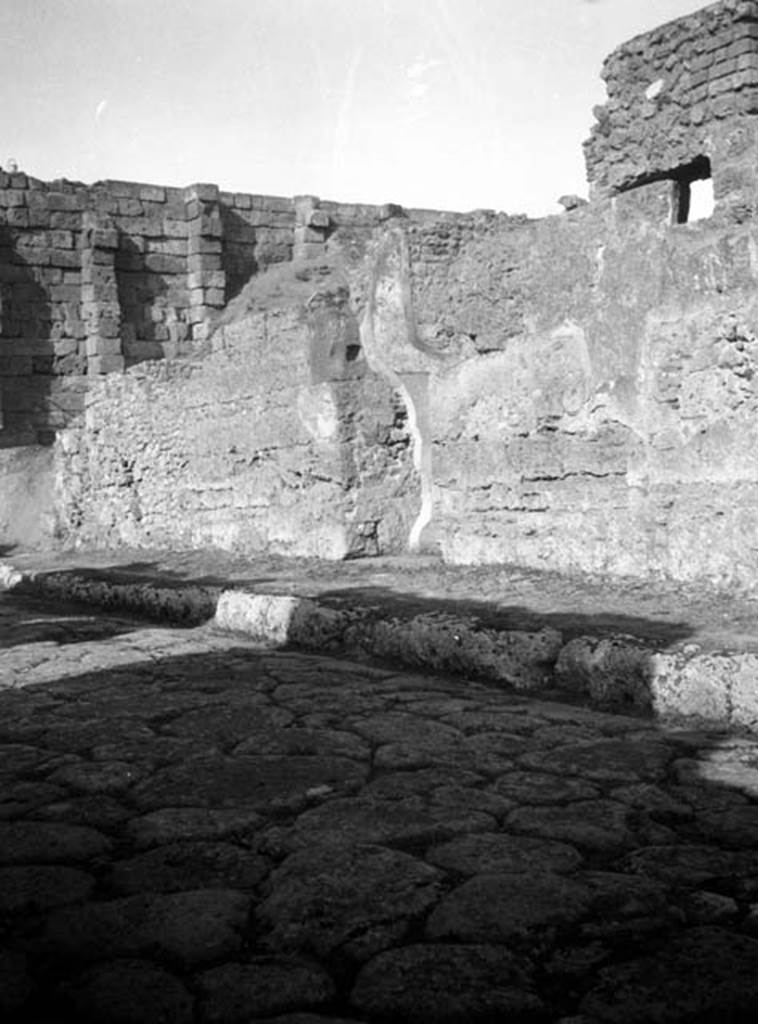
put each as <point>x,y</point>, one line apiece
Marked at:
<point>314,378</point>
<point>592,385</point>
<point>279,439</point>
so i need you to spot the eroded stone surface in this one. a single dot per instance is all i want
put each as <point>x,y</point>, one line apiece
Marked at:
<point>495,852</point>
<point>351,838</point>
<point>357,900</point>
<point>187,866</point>
<point>448,984</point>
<point>129,992</point>
<point>236,993</point>
<point>189,927</point>
<point>503,906</point>
<point>704,972</point>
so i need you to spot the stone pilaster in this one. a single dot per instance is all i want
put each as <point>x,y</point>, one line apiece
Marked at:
<point>101,312</point>
<point>206,278</point>
<point>311,228</point>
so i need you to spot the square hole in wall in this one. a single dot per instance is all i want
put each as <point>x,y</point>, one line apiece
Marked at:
<point>692,198</point>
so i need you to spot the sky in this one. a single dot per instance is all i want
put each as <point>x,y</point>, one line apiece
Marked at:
<point>445,104</point>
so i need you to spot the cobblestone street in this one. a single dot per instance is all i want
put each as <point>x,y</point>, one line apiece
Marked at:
<point>197,828</point>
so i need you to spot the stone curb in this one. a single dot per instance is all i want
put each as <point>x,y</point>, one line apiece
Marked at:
<point>719,688</point>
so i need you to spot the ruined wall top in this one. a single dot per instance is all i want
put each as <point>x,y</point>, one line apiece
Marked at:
<point>672,94</point>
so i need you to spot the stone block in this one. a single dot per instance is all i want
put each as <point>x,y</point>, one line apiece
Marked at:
<point>242,201</point>
<point>318,219</point>
<point>17,217</point>
<point>308,251</point>
<point>307,235</point>
<point>161,263</point>
<point>67,258</point>
<point>201,192</point>
<point>202,262</point>
<point>198,245</point>
<point>98,365</point>
<point>209,279</point>
<point>104,238</point>
<point>65,201</point>
<point>152,193</point>
<point>97,345</point>
<point>209,226</point>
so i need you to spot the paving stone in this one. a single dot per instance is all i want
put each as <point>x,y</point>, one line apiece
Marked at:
<point>732,763</point>
<point>150,751</point>
<point>623,905</point>
<point>412,820</point>
<point>188,927</point>
<point>307,1018</point>
<point>253,782</point>
<point>174,823</point>
<point>703,974</point>
<point>501,907</point>
<point>98,812</point>
<point>398,784</point>
<point>18,798</point>
<point>690,864</point>
<point>263,986</point>
<point>656,801</point>
<point>607,760</point>
<point>703,907</point>
<point>15,981</point>
<point>186,866</point>
<point>109,777</point>
<point>542,788</point>
<point>593,824</point>
<point>496,852</point>
<point>38,842</point>
<point>446,984</point>
<point>129,992</point>
<point>41,886</point>
<point>227,726</point>
<point>357,900</point>
<point>314,742</point>
<point>79,736</point>
<point>500,719</point>
<point>733,826</point>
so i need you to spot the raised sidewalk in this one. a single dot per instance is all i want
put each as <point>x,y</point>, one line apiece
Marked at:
<point>674,649</point>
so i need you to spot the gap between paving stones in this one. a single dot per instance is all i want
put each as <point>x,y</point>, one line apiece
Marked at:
<point>681,681</point>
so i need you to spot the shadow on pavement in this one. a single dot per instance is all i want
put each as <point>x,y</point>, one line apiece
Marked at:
<point>233,833</point>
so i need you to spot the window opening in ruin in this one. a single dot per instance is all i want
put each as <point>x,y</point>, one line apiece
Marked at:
<point>693,192</point>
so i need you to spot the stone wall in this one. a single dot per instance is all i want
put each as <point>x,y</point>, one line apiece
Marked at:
<point>591,382</point>
<point>280,439</point>
<point>681,103</point>
<point>261,373</point>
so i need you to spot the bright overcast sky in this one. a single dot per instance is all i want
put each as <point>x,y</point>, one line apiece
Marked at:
<point>450,104</point>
